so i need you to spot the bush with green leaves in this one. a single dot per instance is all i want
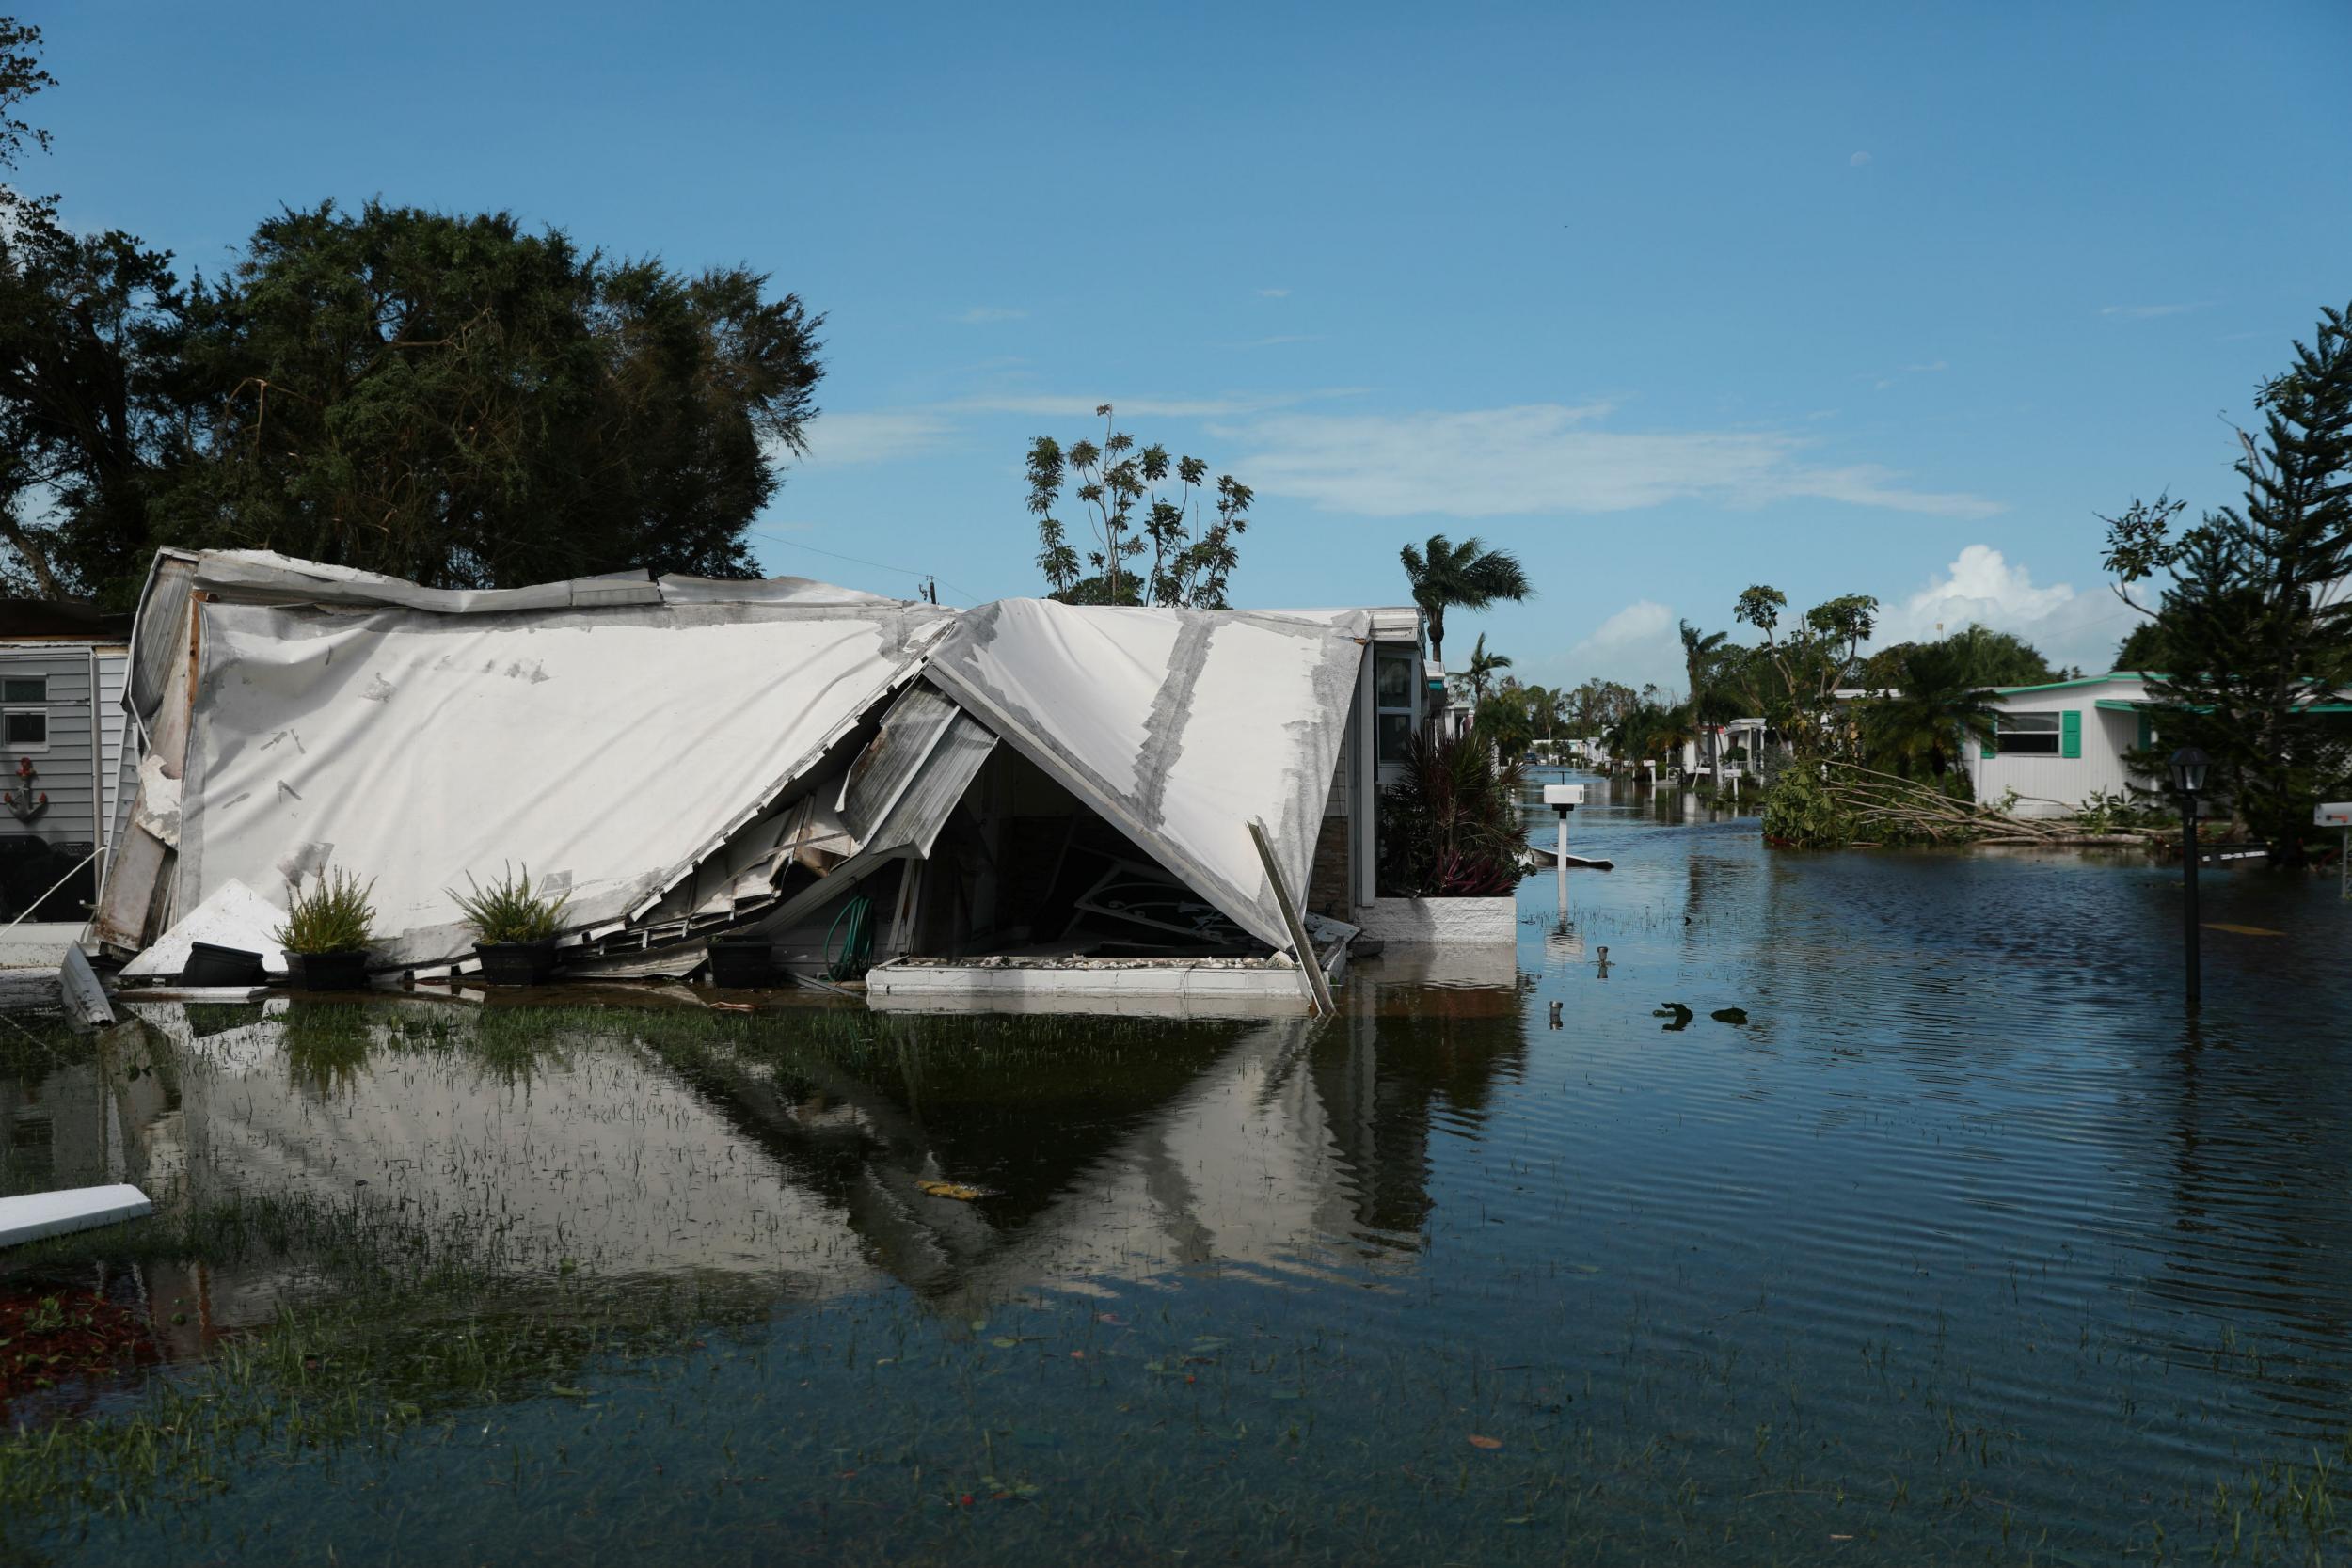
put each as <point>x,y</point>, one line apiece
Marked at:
<point>510,910</point>
<point>336,916</point>
<point>1450,828</point>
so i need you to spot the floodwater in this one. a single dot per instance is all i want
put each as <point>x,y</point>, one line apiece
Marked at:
<point>1964,1245</point>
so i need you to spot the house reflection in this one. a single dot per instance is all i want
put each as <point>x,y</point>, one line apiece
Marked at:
<point>1112,1154</point>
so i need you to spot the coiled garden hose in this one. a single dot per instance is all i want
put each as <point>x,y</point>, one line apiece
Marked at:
<point>857,944</point>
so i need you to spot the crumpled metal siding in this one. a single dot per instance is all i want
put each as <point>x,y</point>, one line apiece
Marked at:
<point>1178,727</point>
<point>909,731</point>
<point>922,809</point>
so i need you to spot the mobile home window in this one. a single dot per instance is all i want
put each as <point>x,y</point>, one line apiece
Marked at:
<point>2027,735</point>
<point>1392,675</point>
<point>24,726</point>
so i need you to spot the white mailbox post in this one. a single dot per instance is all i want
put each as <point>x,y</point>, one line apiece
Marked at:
<point>2338,815</point>
<point>1563,799</point>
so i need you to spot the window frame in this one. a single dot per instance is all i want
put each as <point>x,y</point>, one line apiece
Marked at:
<point>1408,659</point>
<point>11,706</point>
<point>2003,730</point>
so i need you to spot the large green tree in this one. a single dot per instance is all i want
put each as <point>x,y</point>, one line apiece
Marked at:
<point>2255,619</point>
<point>1795,672</point>
<point>443,396</point>
<point>1468,576</point>
<point>1135,500</point>
<point>455,400</point>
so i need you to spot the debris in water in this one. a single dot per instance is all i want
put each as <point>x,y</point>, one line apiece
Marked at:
<point>1679,1015</point>
<point>1729,1015</point>
<point>955,1190</point>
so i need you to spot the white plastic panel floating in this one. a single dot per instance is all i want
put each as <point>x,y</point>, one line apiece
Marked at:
<point>37,1215</point>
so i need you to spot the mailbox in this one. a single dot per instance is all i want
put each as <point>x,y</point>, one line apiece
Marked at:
<point>1569,796</point>
<point>2335,813</point>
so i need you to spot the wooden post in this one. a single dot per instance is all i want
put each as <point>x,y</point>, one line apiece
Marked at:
<point>1318,989</point>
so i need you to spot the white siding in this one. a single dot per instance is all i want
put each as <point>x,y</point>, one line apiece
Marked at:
<point>65,769</point>
<point>2057,785</point>
<point>117,761</point>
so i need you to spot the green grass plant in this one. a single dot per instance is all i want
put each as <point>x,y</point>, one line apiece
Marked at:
<point>336,916</point>
<point>510,910</point>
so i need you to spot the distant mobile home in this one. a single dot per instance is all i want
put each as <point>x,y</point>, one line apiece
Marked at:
<point>68,774</point>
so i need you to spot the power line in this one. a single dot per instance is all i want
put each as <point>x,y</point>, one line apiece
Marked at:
<point>859,561</point>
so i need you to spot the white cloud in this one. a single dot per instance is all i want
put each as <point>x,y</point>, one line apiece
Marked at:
<point>873,438</point>
<point>2142,312</point>
<point>1274,293</point>
<point>981,315</point>
<point>1860,159</point>
<point>1980,585</point>
<point>1640,644</point>
<point>1545,458</point>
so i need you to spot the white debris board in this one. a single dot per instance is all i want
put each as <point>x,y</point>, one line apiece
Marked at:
<point>38,1214</point>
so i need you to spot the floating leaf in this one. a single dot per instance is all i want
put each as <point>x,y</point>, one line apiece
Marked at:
<point>2242,930</point>
<point>955,1190</point>
<point>1005,1341</point>
<point>1479,1442</point>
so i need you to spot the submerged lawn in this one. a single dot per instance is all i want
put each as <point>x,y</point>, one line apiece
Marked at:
<point>1962,1248</point>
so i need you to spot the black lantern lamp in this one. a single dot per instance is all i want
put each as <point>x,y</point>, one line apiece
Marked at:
<point>2188,771</point>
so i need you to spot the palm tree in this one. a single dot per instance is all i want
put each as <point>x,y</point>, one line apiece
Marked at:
<point>1483,666</point>
<point>1936,709</point>
<point>1699,652</point>
<point>1444,574</point>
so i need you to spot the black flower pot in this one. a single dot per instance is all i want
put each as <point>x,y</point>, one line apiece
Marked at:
<point>209,965</point>
<point>743,964</point>
<point>327,971</point>
<point>517,963</point>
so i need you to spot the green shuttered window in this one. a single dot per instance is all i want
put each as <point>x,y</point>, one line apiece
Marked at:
<point>2071,733</point>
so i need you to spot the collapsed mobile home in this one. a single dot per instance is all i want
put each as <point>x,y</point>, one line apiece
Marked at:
<point>1025,798</point>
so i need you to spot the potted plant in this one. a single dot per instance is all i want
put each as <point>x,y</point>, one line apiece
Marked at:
<point>514,928</point>
<point>326,934</point>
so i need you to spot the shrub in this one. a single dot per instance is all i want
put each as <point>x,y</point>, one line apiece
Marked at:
<point>1800,813</point>
<point>1450,827</point>
<point>336,916</point>
<point>509,911</point>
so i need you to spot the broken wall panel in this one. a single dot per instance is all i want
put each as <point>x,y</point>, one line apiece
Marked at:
<point>610,751</point>
<point>1177,725</point>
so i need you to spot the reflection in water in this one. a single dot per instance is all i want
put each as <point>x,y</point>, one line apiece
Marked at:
<point>1270,1146</point>
<point>1919,1193</point>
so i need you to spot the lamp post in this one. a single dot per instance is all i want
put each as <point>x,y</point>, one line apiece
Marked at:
<point>2188,782</point>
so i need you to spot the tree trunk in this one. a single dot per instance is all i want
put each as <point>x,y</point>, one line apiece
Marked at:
<point>30,551</point>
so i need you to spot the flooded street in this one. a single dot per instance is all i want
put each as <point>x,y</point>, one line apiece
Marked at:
<point>1961,1247</point>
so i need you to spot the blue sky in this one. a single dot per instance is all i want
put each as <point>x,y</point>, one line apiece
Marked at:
<point>1667,299</point>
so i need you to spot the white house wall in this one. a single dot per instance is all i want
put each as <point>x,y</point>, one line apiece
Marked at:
<point>2058,785</point>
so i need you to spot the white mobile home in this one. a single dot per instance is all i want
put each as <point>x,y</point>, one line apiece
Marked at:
<point>64,775</point>
<point>1024,791</point>
<point>2058,744</point>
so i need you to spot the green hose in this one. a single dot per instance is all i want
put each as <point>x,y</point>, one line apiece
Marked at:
<point>857,945</point>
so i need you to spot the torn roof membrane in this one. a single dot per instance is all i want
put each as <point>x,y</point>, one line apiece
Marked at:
<point>622,736</point>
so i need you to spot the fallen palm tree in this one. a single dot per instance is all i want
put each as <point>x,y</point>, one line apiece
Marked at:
<point>1847,803</point>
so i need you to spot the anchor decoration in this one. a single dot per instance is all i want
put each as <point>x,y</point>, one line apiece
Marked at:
<point>23,804</point>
